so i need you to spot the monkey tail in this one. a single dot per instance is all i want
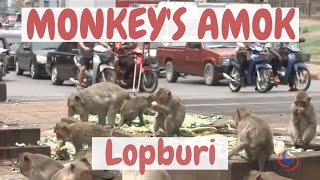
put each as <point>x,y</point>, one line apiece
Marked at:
<point>185,133</point>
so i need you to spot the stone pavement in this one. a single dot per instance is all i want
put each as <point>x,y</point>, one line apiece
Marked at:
<point>43,114</point>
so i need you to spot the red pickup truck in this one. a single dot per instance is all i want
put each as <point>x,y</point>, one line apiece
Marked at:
<point>209,60</point>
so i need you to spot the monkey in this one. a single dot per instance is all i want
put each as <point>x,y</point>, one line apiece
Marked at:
<point>148,175</point>
<point>103,99</point>
<point>171,113</point>
<point>256,175</point>
<point>37,166</point>
<point>303,124</point>
<point>255,137</point>
<point>136,107</point>
<point>96,174</point>
<point>79,133</point>
<point>76,170</point>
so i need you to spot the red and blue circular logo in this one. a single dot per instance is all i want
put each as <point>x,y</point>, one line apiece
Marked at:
<point>287,161</point>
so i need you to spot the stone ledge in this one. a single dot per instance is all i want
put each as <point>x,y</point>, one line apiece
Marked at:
<point>9,136</point>
<point>239,168</point>
<point>13,152</point>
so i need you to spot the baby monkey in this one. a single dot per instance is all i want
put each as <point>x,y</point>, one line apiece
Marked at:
<point>136,107</point>
<point>303,124</point>
<point>76,170</point>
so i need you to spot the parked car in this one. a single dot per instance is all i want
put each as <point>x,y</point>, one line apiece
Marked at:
<point>209,60</point>
<point>60,64</point>
<point>32,57</point>
<point>153,56</point>
<point>14,44</point>
<point>13,38</point>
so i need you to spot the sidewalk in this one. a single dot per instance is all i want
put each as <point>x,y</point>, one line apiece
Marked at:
<point>314,69</point>
<point>43,115</point>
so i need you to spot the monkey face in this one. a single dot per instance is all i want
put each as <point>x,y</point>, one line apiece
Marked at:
<point>79,170</point>
<point>300,106</point>
<point>24,163</point>
<point>62,132</point>
<point>163,96</point>
<point>78,104</point>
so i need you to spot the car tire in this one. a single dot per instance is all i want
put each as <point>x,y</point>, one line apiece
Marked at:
<point>34,71</point>
<point>209,74</point>
<point>55,76</point>
<point>3,92</point>
<point>171,74</point>
<point>19,71</point>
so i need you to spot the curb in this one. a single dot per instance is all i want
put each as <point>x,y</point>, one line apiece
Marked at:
<point>315,75</point>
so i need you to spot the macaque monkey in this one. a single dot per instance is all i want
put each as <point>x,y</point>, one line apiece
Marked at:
<point>135,107</point>
<point>171,113</point>
<point>255,137</point>
<point>37,166</point>
<point>148,175</point>
<point>256,175</point>
<point>96,174</point>
<point>303,124</point>
<point>76,170</point>
<point>102,99</point>
<point>79,133</point>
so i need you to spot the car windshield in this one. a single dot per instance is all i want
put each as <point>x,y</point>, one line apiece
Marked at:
<point>14,40</point>
<point>45,45</point>
<point>220,45</point>
<point>153,45</point>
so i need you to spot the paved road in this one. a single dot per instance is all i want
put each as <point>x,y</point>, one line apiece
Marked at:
<point>198,97</point>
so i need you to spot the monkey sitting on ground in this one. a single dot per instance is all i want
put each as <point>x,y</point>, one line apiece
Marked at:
<point>76,170</point>
<point>255,137</point>
<point>37,166</point>
<point>148,175</point>
<point>79,133</point>
<point>171,113</point>
<point>136,107</point>
<point>256,175</point>
<point>303,124</point>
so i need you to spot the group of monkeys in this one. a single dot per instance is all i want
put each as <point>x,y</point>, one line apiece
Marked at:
<point>108,100</point>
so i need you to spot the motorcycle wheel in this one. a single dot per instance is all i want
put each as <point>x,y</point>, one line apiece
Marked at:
<point>1,72</point>
<point>235,74</point>
<point>149,81</point>
<point>305,78</point>
<point>265,85</point>
<point>109,74</point>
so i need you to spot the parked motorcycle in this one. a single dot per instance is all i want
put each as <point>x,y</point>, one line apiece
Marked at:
<point>296,71</point>
<point>3,62</point>
<point>259,73</point>
<point>144,73</point>
<point>101,67</point>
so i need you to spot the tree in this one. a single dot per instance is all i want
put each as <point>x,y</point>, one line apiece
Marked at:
<point>18,4</point>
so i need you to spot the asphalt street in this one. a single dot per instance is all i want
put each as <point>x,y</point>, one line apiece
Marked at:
<point>199,98</point>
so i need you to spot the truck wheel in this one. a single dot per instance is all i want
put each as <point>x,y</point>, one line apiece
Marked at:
<point>55,76</point>
<point>210,75</point>
<point>19,71</point>
<point>171,74</point>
